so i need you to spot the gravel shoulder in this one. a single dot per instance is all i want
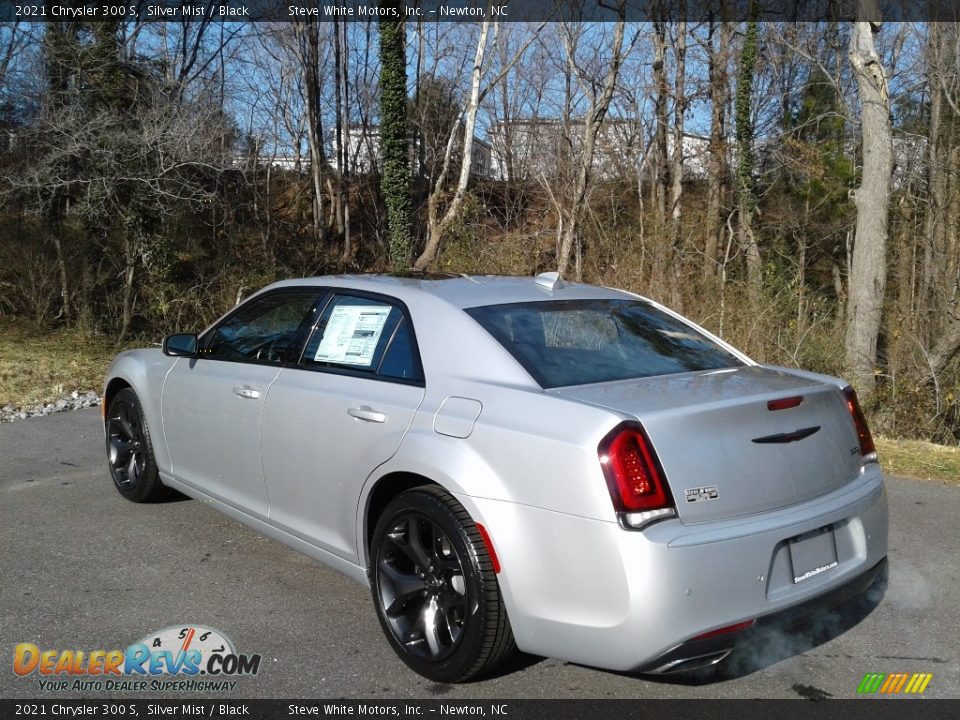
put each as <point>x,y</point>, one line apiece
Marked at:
<point>76,400</point>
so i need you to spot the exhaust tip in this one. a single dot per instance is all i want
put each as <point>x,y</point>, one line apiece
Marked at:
<point>698,662</point>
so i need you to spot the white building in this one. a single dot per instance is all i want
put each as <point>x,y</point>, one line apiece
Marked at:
<point>363,152</point>
<point>535,148</point>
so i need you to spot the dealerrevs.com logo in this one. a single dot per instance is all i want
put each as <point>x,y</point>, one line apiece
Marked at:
<point>178,658</point>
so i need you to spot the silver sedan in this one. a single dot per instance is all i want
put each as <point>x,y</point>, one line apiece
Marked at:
<point>570,470</point>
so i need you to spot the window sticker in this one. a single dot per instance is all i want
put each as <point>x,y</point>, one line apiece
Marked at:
<point>352,334</point>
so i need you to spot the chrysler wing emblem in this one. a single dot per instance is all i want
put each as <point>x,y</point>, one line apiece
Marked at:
<point>788,437</point>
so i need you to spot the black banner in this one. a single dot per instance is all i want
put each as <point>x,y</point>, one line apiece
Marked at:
<point>865,709</point>
<point>474,10</point>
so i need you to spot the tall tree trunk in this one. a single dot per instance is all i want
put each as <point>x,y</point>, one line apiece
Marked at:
<point>717,163</point>
<point>348,250</point>
<point>746,191</point>
<point>338,196</point>
<point>67,311</point>
<point>676,165</point>
<point>872,200</point>
<point>660,169</point>
<point>310,59</point>
<point>395,181</point>
<point>943,219</point>
<point>129,273</point>
<point>935,235</point>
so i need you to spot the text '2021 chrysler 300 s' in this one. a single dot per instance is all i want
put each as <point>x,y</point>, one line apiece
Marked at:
<point>570,470</point>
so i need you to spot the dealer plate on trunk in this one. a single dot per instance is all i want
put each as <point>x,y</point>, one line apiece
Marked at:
<point>813,553</point>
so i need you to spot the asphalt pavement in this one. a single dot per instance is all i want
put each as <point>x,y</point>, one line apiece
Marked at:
<point>82,568</point>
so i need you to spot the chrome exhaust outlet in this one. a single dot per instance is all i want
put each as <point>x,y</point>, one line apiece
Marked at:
<point>697,662</point>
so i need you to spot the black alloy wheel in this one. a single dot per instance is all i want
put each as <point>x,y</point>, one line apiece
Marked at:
<point>435,590</point>
<point>130,450</point>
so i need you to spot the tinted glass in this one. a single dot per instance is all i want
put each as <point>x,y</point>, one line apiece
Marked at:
<point>400,359</point>
<point>264,330</point>
<point>575,342</point>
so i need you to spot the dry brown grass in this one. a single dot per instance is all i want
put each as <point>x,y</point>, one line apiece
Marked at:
<point>919,459</point>
<point>40,365</point>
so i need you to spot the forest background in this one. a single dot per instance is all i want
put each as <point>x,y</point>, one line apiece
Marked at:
<point>793,187</point>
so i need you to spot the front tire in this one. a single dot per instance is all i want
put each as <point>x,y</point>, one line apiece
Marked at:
<point>130,457</point>
<point>435,589</point>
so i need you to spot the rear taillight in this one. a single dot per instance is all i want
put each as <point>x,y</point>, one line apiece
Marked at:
<point>634,476</point>
<point>867,449</point>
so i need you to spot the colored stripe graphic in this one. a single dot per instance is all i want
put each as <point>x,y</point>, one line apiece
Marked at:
<point>871,682</point>
<point>920,682</point>
<point>894,683</point>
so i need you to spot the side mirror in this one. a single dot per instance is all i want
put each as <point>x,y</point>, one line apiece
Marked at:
<point>180,345</point>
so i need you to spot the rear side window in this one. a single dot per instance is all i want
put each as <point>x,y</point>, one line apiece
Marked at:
<point>576,342</point>
<point>363,335</point>
<point>400,360</point>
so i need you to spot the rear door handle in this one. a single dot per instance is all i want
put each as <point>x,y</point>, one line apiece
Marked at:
<point>246,392</point>
<point>367,414</point>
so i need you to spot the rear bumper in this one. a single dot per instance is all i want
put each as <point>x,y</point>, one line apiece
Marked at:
<point>699,653</point>
<point>590,592</point>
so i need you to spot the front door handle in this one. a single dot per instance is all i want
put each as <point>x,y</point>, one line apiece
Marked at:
<point>367,414</point>
<point>246,392</point>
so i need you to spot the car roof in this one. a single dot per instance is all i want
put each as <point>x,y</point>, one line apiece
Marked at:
<point>463,291</point>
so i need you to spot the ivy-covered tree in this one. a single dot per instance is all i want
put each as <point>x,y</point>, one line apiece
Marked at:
<point>745,186</point>
<point>394,138</point>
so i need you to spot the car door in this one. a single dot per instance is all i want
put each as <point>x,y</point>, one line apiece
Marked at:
<point>338,415</point>
<point>211,404</point>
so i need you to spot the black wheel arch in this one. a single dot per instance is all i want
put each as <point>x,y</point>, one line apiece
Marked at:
<point>113,387</point>
<point>386,489</point>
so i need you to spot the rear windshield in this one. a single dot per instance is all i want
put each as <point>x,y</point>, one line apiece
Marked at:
<point>576,342</point>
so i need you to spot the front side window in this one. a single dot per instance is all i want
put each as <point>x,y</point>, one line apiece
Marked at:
<point>576,342</point>
<point>265,330</point>
<point>366,336</point>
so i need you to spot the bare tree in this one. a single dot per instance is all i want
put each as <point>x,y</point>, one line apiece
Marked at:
<point>342,70</point>
<point>872,200</point>
<point>719,57</point>
<point>308,34</point>
<point>658,167</point>
<point>117,154</point>
<point>939,300</point>
<point>437,223</point>
<point>942,75</point>
<point>746,187</point>
<point>599,102</point>
<point>680,101</point>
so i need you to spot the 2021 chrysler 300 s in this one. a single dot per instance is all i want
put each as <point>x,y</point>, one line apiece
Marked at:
<point>570,470</point>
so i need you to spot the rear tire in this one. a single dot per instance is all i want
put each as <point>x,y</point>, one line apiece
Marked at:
<point>130,457</point>
<point>435,590</point>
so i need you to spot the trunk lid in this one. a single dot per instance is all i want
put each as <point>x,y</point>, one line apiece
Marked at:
<point>724,452</point>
